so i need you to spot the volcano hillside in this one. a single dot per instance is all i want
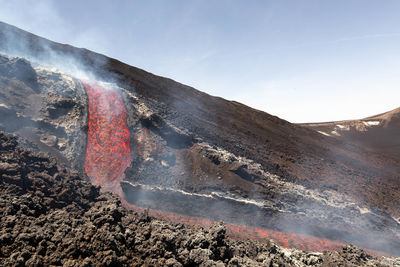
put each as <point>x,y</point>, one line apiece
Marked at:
<point>378,134</point>
<point>207,157</point>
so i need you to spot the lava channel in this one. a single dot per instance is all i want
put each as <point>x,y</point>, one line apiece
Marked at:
<point>108,151</point>
<point>108,155</point>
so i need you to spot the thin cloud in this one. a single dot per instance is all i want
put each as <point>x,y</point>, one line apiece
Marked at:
<point>367,36</point>
<point>346,39</point>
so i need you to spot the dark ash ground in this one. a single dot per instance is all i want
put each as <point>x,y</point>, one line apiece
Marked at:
<point>49,216</point>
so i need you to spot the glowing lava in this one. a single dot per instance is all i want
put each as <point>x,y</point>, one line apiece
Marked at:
<point>108,155</point>
<point>108,144</point>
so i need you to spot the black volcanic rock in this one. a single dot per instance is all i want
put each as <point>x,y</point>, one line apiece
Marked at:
<point>295,179</point>
<point>52,217</point>
<point>19,69</point>
<point>41,106</point>
<point>294,153</point>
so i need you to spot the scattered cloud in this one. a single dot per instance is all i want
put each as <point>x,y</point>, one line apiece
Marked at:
<point>344,39</point>
<point>367,36</point>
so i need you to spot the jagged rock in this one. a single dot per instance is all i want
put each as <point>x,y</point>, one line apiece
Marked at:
<point>219,150</point>
<point>61,219</point>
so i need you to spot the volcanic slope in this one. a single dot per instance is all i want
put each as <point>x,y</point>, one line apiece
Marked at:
<point>377,133</point>
<point>51,217</point>
<point>263,171</point>
<point>296,153</point>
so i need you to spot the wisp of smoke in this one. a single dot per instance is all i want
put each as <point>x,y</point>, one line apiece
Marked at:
<point>81,65</point>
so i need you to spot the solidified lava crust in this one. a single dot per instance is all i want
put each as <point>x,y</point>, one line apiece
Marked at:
<point>108,145</point>
<point>108,155</point>
<point>50,217</point>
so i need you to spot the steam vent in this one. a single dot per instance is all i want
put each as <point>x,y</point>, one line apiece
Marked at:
<point>105,164</point>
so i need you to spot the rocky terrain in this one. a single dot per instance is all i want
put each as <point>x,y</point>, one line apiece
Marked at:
<point>46,107</point>
<point>174,171</point>
<point>376,133</point>
<point>50,216</point>
<point>202,156</point>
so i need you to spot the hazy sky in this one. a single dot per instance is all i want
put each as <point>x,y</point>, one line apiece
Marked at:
<point>303,60</point>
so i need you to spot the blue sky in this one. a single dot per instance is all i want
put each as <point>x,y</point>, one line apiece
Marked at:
<point>304,60</point>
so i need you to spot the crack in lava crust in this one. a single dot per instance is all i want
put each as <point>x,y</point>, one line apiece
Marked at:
<point>108,144</point>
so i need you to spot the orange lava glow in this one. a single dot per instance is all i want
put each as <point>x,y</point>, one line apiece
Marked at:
<point>108,156</point>
<point>243,232</point>
<point>108,145</point>
<point>235,231</point>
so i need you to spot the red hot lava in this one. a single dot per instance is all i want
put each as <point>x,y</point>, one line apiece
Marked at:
<point>108,155</point>
<point>108,144</point>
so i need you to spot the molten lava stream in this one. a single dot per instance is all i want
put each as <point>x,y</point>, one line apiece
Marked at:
<point>108,151</point>
<point>108,156</point>
<point>243,232</point>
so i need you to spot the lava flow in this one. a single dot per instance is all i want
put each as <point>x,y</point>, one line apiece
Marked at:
<point>108,144</point>
<point>108,156</point>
